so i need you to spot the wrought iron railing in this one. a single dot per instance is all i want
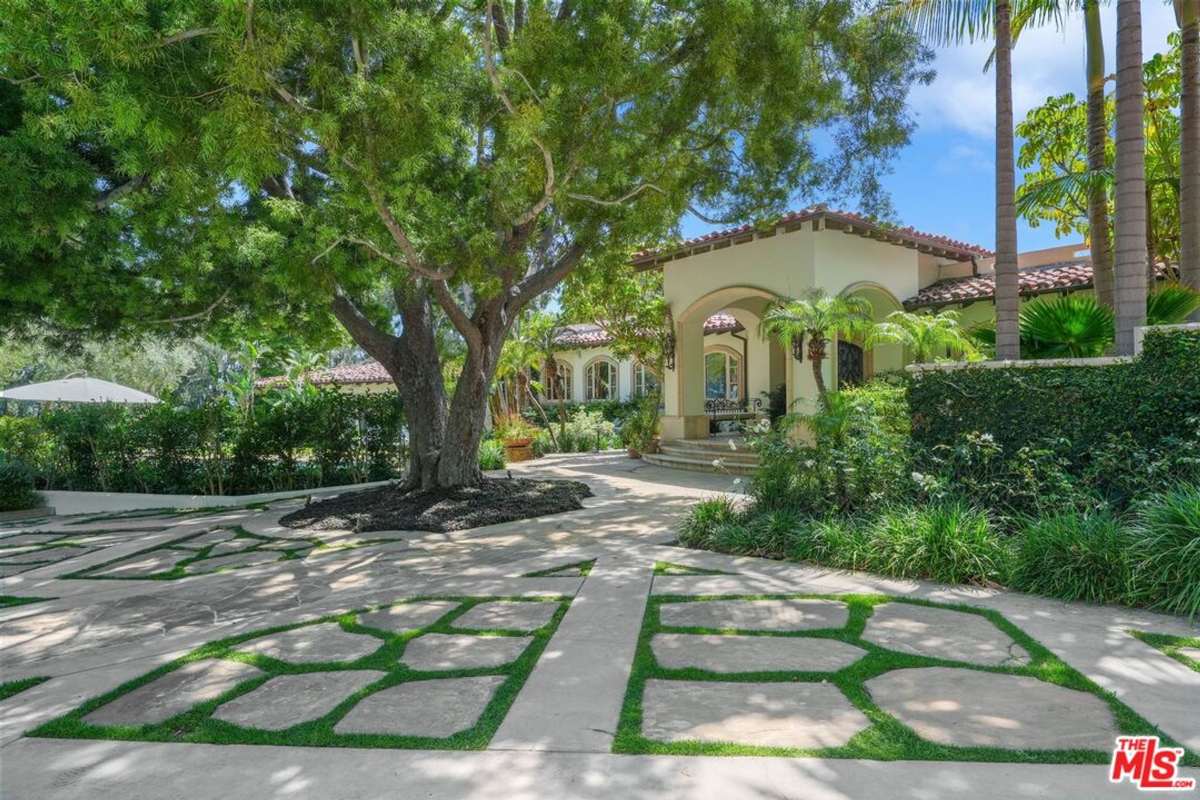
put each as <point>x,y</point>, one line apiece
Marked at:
<point>723,407</point>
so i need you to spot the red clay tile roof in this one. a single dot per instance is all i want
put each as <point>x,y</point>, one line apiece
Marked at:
<point>1032,281</point>
<point>907,236</point>
<point>572,336</point>
<point>592,335</point>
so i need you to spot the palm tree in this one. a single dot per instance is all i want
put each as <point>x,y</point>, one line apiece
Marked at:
<point>949,22</point>
<point>1130,172</point>
<point>819,317</point>
<point>1188,14</point>
<point>926,336</point>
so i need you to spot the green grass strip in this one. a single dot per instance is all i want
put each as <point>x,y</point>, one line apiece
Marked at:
<point>887,739</point>
<point>671,568</point>
<point>9,600</point>
<point>580,569</point>
<point>9,688</point>
<point>197,725</point>
<point>1171,646</point>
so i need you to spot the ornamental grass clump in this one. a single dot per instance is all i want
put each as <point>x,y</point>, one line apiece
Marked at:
<point>951,542</point>
<point>1075,556</point>
<point>700,526</point>
<point>1166,546</point>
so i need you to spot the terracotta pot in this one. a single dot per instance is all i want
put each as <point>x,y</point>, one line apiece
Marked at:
<point>633,452</point>
<point>519,452</point>
<point>524,441</point>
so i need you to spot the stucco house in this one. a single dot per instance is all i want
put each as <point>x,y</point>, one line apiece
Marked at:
<point>719,285</point>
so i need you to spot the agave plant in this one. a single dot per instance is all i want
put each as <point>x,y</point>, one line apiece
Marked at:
<point>1075,326</point>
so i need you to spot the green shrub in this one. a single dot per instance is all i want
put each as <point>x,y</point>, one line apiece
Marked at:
<point>1075,556</point>
<point>587,430</point>
<point>701,523</point>
<point>16,486</point>
<point>491,455</point>
<point>840,542</point>
<point>1167,549</point>
<point>24,439</point>
<point>950,542</point>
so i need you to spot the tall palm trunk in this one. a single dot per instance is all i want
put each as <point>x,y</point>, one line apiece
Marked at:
<point>1097,122</point>
<point>1189,146</point>
<point>1130,262</point>
<point>1008,338</point>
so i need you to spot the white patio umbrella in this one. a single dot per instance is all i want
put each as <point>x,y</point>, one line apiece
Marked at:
<point>78,390</point>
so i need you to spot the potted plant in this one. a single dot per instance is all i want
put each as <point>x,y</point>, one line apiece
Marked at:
<point>517,437</point>
<point>639,434</point>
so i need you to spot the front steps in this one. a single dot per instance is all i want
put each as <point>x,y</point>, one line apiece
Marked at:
<point>698,455</point>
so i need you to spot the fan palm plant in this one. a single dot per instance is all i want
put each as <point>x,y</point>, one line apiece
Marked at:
<point>817,317</point>
<point>1171,304</point>
<point>926,335</point>
<point>1075,326</point>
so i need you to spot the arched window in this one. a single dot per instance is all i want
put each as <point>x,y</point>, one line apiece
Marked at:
<point>644,380</point>
<point>601,380</point>
<point>563,387</point>
<point>722,375</point>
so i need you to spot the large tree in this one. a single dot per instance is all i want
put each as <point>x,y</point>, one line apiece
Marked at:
<point>1130,173</point>
<point>1188,12</point>
<point>397,162</point>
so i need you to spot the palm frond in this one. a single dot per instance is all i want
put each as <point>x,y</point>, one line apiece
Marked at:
<point>1072,186</point>
<point>1171,305</point>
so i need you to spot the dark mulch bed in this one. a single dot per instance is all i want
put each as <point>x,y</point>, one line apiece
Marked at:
<point>495,500</point>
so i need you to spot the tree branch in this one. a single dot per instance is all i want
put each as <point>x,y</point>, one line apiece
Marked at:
<point>458,317</point>
<point>115,194</point>
<point>364,333</point>
<point>183,36</point>
<point>205,314</point>
<point>544,279</point>
<point>620,201</point>
<point>37,76</point>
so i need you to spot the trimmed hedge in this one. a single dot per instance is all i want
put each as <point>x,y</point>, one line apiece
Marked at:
<point>1144,401</point>
<point>286,441</point>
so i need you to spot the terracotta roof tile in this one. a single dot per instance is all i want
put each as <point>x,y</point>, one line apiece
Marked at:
<point>906,235</point>
<point>1031,281</point>
<point>592,335</point>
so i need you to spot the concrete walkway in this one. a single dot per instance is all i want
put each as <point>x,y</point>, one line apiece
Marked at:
<point>555,738</point>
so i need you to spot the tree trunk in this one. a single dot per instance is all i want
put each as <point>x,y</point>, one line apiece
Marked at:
<point>1097,122</point>
<point>1189,147</point>
<point>1008,337</point>
<point>459,462</point>
<point>1130,170</point>
<point>816,356</point>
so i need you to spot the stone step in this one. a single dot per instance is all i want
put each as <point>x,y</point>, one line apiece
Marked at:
<point>697,464</point>
<point>708,454</point>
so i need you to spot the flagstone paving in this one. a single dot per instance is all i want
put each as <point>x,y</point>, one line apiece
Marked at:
<point>173,693</point>
<point>433,708</point>
<point>507,616</point>
<point>404,617</point>
<point>441,651</point>
<point>965,707</point>
<point>756,615</point>
<point>799,715</point>
<point>312,644</point>
<point>709,656</point>
<point>732,654</point>
<point>1191,652</point>
<point>288,700</point>
<point>942,633</point>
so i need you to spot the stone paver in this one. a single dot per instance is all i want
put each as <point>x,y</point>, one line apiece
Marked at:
<point>434,708</point>
<point>45,555</point>
<point>755,615</point>
<point>966,707</point>
<point>942,633</point>
<point>730,654</point>
<point>441,651</point>
<point>249,559</point>
<point>405,617</point>
<point>212,537</point>
<point>1190,652</point>
<point>299,544</point>
<point>30,538</point>
<point>234,546</point>
<point>313,644</point>
<point>507,616</point>
<point>173,693</point>
<point>800,715</point>
<point>288,700</point>
<point>151,563</point>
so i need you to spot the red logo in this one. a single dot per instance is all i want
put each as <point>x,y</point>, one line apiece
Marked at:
<point>1147,765</point>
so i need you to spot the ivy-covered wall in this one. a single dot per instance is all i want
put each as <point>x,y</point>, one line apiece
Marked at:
<point>1146,401</point>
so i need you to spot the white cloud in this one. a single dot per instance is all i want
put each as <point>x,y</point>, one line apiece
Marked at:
<point>1046,62</point>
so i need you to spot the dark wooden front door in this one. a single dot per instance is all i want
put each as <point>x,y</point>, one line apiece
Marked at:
<point>851,370</point>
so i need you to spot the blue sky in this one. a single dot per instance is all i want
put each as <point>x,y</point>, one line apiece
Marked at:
<point>944,181</point>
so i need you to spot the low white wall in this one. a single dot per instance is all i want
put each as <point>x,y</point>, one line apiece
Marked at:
<point>102,502</point>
